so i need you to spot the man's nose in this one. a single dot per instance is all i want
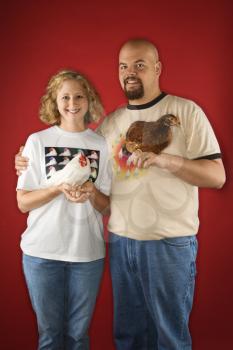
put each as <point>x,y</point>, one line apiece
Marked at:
<point>131,71</point>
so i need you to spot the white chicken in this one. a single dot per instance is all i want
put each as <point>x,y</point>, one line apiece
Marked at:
<point>76,172</point>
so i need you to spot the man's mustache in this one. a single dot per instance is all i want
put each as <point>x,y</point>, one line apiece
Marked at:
<point>137,80</point>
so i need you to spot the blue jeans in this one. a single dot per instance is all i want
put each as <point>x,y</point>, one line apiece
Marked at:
<point>153,287</point>
<point>63,296</point>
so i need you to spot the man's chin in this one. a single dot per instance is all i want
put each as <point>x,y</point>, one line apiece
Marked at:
<point>134,94</point>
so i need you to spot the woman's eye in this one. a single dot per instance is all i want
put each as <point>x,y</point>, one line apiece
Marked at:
<point>65,97</point>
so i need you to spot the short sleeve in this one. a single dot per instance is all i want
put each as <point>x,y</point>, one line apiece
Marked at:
<point>100,129</point>
<point>108,125</point>
<point>201,141</point>
<point>30,178</point>
<point>105,180</point>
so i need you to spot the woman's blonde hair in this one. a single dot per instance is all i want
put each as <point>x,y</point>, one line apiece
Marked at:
<point>49,113</point>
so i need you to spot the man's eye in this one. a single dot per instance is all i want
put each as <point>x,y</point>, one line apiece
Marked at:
<point>79,96</point>
<point>65,97</point>
<point>123,67</point>
<point>140,65</point>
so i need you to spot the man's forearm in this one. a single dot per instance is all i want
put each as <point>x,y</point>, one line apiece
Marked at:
<point>200,172</point>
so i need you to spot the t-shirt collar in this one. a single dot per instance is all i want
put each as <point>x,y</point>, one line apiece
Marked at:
<point>148,104</point>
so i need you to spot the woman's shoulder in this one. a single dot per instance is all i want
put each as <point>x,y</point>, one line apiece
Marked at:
<point>96,136</point>
<point>35,139</point>
<point>41,133</point>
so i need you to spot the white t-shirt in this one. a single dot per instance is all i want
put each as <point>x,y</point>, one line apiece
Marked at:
<point>62,230</point>
<point>153,203</point>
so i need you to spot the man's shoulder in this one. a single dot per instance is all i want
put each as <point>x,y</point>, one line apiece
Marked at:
<point>116,113</point>
<point>181,101</point>
<point>110,120</point>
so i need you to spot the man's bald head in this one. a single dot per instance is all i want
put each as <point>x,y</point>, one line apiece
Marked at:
<point>134,44</point>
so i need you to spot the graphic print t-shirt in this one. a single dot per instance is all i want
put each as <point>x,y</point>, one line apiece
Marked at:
<point>60,229</point>
<point>151,204</point>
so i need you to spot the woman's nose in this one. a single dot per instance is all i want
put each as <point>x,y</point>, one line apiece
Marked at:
<point>73,102</point>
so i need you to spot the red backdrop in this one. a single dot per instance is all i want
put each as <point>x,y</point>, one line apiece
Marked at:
<point>195,42</point>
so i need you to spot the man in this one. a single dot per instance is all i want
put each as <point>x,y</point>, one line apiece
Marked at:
<point>154,207</point>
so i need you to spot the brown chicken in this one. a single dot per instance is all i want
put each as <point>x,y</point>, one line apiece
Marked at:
<point>151,136</point>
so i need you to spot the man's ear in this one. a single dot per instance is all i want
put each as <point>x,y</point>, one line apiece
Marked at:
<point>158,68</point>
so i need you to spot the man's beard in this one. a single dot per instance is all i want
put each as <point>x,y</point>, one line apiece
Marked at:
<point>136,93</point>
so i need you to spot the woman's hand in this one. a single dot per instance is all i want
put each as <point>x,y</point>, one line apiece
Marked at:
<point>77,194</point>
<point>88,191</point>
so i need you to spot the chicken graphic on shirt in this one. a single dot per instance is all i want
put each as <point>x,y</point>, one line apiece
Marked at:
<point>151,136</point>
<point>142,136</point>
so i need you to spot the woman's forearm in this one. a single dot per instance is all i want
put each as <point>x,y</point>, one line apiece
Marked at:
<point>28,200</point>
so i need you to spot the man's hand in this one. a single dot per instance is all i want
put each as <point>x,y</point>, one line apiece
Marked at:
<point>21,163</point>
<point>147,159</point>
